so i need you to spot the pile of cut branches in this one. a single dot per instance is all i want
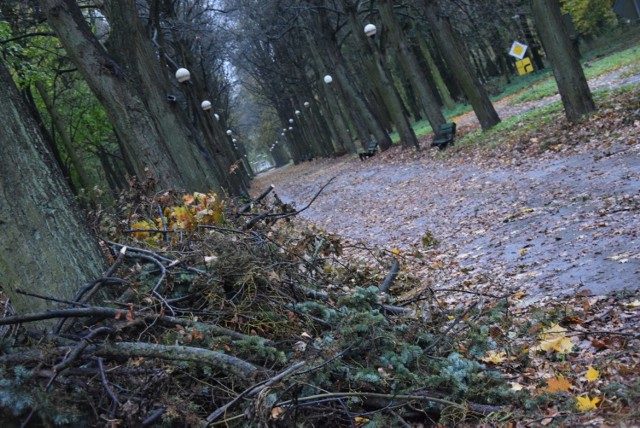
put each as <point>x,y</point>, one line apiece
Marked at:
<point>217,312</point>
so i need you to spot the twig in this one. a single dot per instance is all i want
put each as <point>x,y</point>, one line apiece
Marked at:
<point>105,384</point>
<point>373,395</point>
<point>306,206</point>
<point>265,214</point>
<point>52,299</point>
<point>171,262</point>
<point>77,351</point>
<point>453,324</point>
<point>260,197</point>
<point>254,390</point>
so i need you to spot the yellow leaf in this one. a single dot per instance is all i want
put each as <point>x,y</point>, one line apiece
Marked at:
<point>584,404</point>
<point>494,357</point>
<point>554,338</point>
<point>523,251</point>
<point>360,421</point>
<point>592,374</point>
<point>557,384</point>
<point>395,251</point>
<point>634,304</point>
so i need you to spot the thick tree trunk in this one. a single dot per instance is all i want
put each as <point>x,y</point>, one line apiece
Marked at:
<point>354,100</point>
<point>45,247</point>
<point>154,138</point>
<point>381,79</point>
<point>573,87</point>
<point>451,50</point>
<point>445,95</point>
<point>409,63</point>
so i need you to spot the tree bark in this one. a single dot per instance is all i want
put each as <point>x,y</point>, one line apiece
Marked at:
<point>44,243</point>
<point>154,137</point>
<point>572,84</point>
<point>409,63</point>
<point>451,50</point>
<point>355,101</point>
<point>382,80</point>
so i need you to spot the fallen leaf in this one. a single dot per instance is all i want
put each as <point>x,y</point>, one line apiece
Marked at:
<point>276,413</point>
<point>584,404</point>
<point>360,421</point>
<point>494,357</point>
<point>516,386</point>
<point>554,338</point>
<point>592,374</point>
<point>557,384</point>
<point>519,295</point>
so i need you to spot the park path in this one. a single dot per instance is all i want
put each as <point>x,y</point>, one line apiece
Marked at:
<point>550,224</point>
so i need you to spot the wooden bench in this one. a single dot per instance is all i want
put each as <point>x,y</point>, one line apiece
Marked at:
<point>372,148</point>
<point>445,135</point>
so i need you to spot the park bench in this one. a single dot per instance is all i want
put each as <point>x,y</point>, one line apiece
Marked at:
<point>372,148</point>
<point>445,135</point>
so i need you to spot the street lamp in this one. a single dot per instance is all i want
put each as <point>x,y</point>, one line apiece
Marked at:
<point>297,112</point>
<point>182,75</point>
<point>206,105</point>
<point>307,104</point>
<point>229,132</point>
<point>370,30</point>
<point>328,79</point>
<point>290,120</point>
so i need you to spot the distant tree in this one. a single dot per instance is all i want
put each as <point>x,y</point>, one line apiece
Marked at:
<point>590,17</point>
<point>45,247</point>
<point>459,65</point>
<point>572,84</point>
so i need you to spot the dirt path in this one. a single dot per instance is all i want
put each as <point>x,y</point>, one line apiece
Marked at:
<point>550,224</point>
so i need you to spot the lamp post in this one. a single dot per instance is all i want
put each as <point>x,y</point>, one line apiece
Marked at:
<point>370,30</point>
<point>328,79</point>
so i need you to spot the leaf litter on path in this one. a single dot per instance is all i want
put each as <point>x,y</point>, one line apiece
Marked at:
<point>555,226</point>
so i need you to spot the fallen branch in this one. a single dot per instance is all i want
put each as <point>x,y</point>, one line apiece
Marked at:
<point>241,369</point>
<point>96,311</point>
<point>260,197</point>
<point>395,267</point>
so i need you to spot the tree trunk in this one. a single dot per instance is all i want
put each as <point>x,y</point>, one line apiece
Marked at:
<point>355,101</point>
<point>154,137</point>
<point>45,247</point>
<point>412,69</point>
<point>451,50</point>
<point>445,95</point>
<point>572,85</point>
<point>381,79</point>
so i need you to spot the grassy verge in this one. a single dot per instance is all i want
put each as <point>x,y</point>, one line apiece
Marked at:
<point>598,61</point>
